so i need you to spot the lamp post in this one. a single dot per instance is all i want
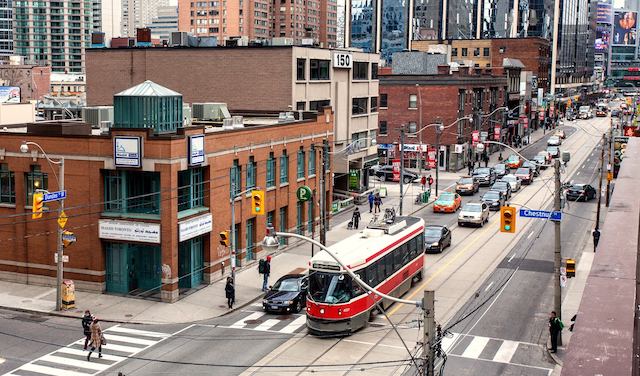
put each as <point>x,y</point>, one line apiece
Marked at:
<point>24,148</point>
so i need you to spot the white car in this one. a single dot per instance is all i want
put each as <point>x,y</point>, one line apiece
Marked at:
<point>513,181</point>
<point>475,213</point>
<point>554,141</point>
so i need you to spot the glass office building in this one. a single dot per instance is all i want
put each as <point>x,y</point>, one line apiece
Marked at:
<point>394,33</point>
<point>427,19</point>
<point>363,25</point>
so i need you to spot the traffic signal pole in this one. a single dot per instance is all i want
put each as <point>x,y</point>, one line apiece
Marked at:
<point>557,260</point>
<point>60,263</point>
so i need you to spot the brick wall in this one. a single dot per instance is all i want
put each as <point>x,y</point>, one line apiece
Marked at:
<point>534,53</point>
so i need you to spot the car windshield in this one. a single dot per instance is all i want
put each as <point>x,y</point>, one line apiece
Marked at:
<point>481,171</point>
<point>513,158</point>
<point>509,178</point>
<point>523,171</point>
<point>500,167</point>
<point>432,232</point>
<point>288,285</point>
<point>491,195</point>
<point>329,287</point>
<point>465,181</point>
<point>500,185</point>
<point>552,148</point>
<point>445,197</point>
<point>472,208</point>
<point>577,187</point>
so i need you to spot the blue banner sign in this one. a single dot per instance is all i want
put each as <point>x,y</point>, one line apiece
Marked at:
<point>544,214</point>
<point>54,196</point>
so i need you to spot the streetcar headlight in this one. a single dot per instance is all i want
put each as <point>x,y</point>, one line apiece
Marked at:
<point>322,311</point>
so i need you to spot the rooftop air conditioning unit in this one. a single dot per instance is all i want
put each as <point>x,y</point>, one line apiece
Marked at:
<point>227,124</point>
<point>179,38</point>
<point>96,115</point>
<point>210,111</point>
<point>282,41</point>
<point>237,122</point>
<point>187,119</point>
<point>104,127</point>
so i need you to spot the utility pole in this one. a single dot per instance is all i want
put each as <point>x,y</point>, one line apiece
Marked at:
<point>323,194</point>
<point>438,133</point>
<point>429,341</point>
<point>610,165</point>
<point>601,170</point>
<point>557,261</point>
<point>232,230</point>
<point>401,166</point>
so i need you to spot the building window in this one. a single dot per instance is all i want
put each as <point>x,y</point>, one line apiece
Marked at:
<point>465,52</point>
<point>271,218</point>
<point>250,238</point>
<point>300,162</point>
<point>413,101</point>
<point>310,216</point>
<point>360,71</point>
<point>319,105</point>
<point>311,164</point>
<point>413,127</point>
<point>374,71</point>
<point>382,127</point>
<point>271,171</point>
<point>383,100</point>
<point>283,224</point>
<point>301,72</point>
<point>251,173</point>
<point>374,104</point>
<point>7,185</point>
<point>131,192</point>
<point>461,102</point>
<point>476,52</point>
<point>319,69</point>
<point>299,218</point>
<point>235,178</point>
<point>191,188</point>
<point>485,51</point>
<point>284,167</point>
<point>454,52</point>
<point>35,179</point>
<point>359,106</point>
<point>300,106</point>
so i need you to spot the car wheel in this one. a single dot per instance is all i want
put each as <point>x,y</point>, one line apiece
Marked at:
<point>460,224</point>
<point>298,307</point>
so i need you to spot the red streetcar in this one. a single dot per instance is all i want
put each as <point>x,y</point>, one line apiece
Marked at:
<point>388,255</point>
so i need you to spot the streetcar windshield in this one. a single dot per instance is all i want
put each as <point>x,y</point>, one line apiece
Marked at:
<point>329,287</point>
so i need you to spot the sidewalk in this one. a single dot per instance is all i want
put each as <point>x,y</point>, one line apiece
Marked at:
<point>209,301</point>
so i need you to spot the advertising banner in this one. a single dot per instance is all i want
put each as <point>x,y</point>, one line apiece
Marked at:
<point>431,157</point>
<point>396,169</point>
<point>603,39</point>
<point>496,132</point>
<point>475,137</point>
<point>9,94</point>
<point>624,28</point>
<point>603,15</point>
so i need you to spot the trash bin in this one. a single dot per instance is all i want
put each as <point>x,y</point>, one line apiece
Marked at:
<point>425,196</point>
<point>68,294</point>
<point>571,268</point>
<point>383,192</point>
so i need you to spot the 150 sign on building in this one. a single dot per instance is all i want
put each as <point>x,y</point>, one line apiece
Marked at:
<point>342,60</point>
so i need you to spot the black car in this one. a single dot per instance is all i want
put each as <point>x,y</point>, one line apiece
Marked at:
<point>502,187</point>
<point>288,294</point>
<point>584,192</point>
<point>533,167</point>
<point>386,173</point>
<point>436,238</point>
<point>485,176</point>
<point>494,199</point>
<point>501,170</point>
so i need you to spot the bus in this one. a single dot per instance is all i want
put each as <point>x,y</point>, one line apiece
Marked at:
<point>387,255</point>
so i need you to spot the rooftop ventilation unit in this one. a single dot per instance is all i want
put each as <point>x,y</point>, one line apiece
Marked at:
<point>284,117</point>
<point>96,115</point>
<point>179,38</point>
<point>187,119</point>
<point>210,111</point>
<point>237,122</point>
<point>105,126</point>
<point>227,124</point>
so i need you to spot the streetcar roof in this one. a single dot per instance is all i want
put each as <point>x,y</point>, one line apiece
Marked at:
<point>367,245</point>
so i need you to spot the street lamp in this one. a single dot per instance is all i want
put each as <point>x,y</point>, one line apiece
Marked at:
<point>24,148</point>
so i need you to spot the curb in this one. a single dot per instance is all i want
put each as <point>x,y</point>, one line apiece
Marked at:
<point>555,358</point>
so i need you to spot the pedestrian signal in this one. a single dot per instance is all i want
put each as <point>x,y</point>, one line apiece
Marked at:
<point>508,219</point>
<point>37,205</point>
<point>224,238</point>
<point>257,202</point>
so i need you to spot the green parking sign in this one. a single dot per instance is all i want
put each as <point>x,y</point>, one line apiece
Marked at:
<point>304,193</point>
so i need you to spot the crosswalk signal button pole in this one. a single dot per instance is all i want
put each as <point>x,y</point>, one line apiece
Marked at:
<point>257,202</point>
<point>224,238</point>
<point>37,205</point>
<point>508,219</point>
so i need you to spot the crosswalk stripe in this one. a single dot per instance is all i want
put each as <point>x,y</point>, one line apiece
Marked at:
<point>72,351</point>
<point>75,362</point>
<point>50,370</point>
<point>242,323</point>
<point>295,324</point>
<point>267,324</point>
<point>475,347</point>
<point>136,341</point>
<point>506,351</point>
<point>448,342</point>
<point>121,348</point>
<point>136,332</point>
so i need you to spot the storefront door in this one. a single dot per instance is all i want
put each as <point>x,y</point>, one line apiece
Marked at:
<point>190,263</point>
<point>116,268</point>
<point>132,268</point>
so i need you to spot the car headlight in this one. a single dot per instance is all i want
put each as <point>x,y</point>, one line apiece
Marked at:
<point>289,302</point>
<point>265,301</point>
<point>435,244</point>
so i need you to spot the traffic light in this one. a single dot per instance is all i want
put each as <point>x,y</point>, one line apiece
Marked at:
<point>508,219</point>
<point>257,202</point>
<point>37,205</point>
<point>224,238</point>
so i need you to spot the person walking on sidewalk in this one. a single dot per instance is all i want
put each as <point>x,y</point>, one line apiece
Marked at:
<point>264,268</point>
<point>555,327</point>
<point>430,182</point>
<point>377,202</point>
<point>355,218</point>
<point>97,339</point>
<point>485,157</point>
<point>423,182</point>
<point>470,166</point>
<point>371,198</point>
<point>87,319</point>
<point>230,292</point>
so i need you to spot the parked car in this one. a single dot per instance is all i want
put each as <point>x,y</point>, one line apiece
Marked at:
<point>493,199</point>
<point>501,170</point>
<point>525,175</point>
<point>534,167</point>
<point>386,173</point>
<point>584,192</point>
<point>484,175</point>
<point>447,202</point>
<point>513,181</point>
<point>540,161</point>
<point>560,133</point>
<point>436,238</point>
<point>288,294</point>
<point>570,115</point>
<point>546,155</point>
<point>467,185</point>
<point>554,151</point>
<point>514,161</point>
<point>502,187</point>
<point>474,213</point>
<point>554,141</point>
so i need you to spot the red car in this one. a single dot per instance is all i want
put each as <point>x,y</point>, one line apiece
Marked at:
<point>525,174</point>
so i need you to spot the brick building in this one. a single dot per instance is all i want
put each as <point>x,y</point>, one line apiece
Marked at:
<point>416,101</point>
<point>261,78</point>
<point>34,81</point>
<point>148,198</point>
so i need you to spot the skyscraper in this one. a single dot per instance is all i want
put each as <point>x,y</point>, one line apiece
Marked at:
<point>6,28</point>
<point>139,13</point>
<point>108,18</point>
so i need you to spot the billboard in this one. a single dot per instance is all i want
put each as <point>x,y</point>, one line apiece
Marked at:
<point>624,28</point>
<point>9,94</point>
<point>603,13</point>
<point>603,38</point>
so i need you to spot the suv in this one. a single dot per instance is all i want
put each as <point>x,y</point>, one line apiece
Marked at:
<point>467,185</point>
<point>386,173</point>
<point>484,176</point>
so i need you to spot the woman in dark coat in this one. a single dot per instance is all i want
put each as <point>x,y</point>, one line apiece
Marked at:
<point>230,292</point>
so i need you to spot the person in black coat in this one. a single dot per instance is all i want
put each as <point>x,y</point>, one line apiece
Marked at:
<point>555,327</point>
<point>230,292</point>
<point>87,319</point>
<point>356,218</point>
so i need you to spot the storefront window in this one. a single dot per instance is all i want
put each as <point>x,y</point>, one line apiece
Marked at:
<point>131,192</point>
<point>7,185</point>
<point>191,188</point>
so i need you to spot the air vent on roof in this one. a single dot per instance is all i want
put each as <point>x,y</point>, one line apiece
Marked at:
<point>227,124</point>
<point>237,122</point>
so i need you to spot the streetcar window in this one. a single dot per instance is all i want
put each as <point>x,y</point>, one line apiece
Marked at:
<point>357,289</point>
<point>370,275</point>
<point>421,243</point>
<point>405,255</point>
<point>388,263</point>
<point>397,255</point>
<point>381,275</point>
<point>330,287</point>
<point>414,248</point>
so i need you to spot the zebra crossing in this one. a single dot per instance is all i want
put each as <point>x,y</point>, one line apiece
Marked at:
<point>71,360</point>
<point>261,321</point>
<point>484,348</point>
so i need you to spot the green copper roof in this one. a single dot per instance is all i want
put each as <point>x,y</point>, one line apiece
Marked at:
<point>148,89</point>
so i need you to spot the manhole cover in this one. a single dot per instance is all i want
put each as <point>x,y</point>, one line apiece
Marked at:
<point>222,306</point>
<point>253,321</point>
<point>128,315</point>
<point>26,301</point>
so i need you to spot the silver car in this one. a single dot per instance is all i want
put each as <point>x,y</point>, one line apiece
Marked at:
<point>513,181</point>
<point>475,213</point>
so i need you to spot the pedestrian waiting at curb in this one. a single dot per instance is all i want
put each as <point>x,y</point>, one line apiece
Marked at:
<point>555,327</point>
<point>97,339</point>
<point>371,198</point>
<point>264,268</point>
<point>430,182</point>
<point>423,182</point>
<point>87,319</point>
<point>230,292</point>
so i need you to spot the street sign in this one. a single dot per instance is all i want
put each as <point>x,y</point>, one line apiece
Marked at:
<point>544,214</point>
<point>62,220</point>
<point>68,237</point>
<point>563,281</point>
<point>65,258</point>
<point>303,193</point>
<point>55,196</point>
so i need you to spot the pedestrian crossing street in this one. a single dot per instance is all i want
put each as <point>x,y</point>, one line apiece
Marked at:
<point>72,360</point>
<point>256,319</point>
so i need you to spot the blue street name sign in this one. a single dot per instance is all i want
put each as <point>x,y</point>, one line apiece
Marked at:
<point>55,196</point>
<point>544,214</point>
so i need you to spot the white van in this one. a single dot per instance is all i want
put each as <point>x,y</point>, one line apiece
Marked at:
<point>584,112</point>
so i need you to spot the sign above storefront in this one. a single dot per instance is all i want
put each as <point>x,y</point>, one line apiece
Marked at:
<point>193,227</point>
<point>129,231</point>
<point>415,147</point>
<point>127,151</point>
<point>196,150</point>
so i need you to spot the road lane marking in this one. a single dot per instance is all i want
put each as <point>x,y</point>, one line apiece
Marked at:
<point>511,258</point>
<point>50,370</point>
<point>489,286</point>
<point>242,323</point>
<point>448,342</point>
<point>75,362</point>
<point>475,347</point>
<point>297,323</point>
<point>266,325</point>
<point>145,333</point>
<point>506,351</point>
<point>530,235</point>
<point>373,344</point>
<point>136,341</point>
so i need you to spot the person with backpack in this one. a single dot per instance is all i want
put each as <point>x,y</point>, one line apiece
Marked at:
<point>377,202</point>
<point>264,268</point>
<point>555,327</point>
<point>230,292</point>
<point>87,319</point>
<point>355,218</point>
